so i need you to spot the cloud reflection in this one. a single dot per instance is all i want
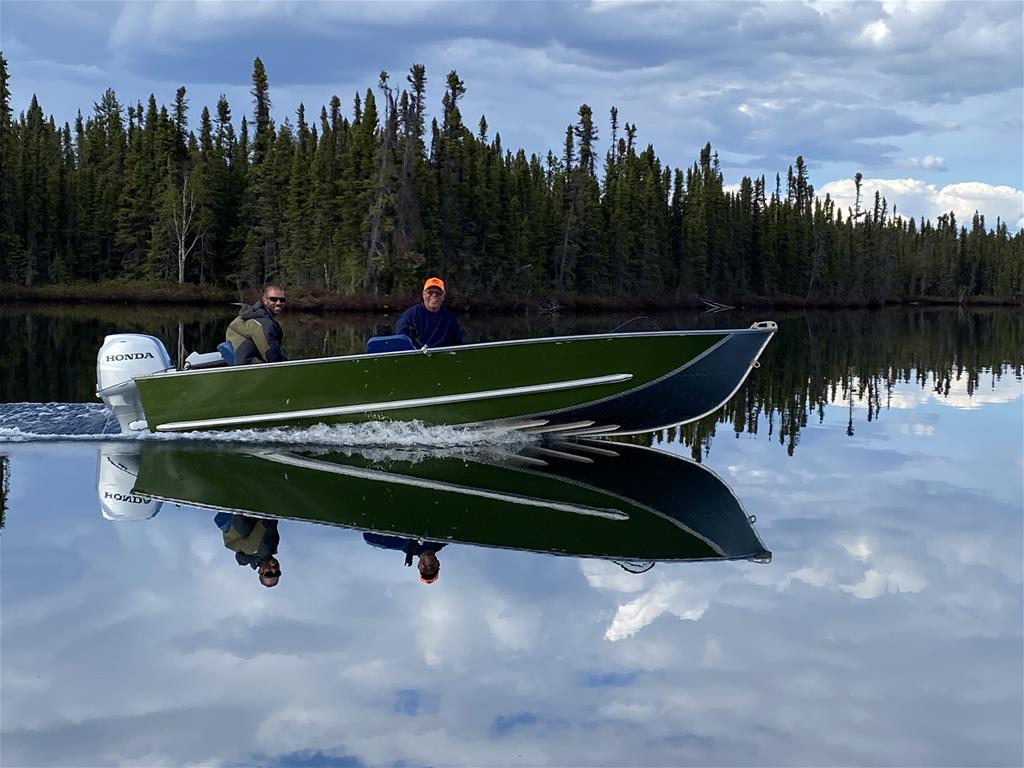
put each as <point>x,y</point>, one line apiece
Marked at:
<point>888,624</point>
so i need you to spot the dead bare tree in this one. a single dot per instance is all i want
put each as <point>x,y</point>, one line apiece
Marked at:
<point>184,225</point>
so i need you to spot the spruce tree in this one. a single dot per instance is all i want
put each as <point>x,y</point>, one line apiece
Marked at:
<point>9,150</point>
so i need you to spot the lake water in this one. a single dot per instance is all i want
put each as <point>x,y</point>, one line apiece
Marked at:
<point>870,613</point>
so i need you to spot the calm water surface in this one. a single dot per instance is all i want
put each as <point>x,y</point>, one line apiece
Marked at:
<point>881,453</point>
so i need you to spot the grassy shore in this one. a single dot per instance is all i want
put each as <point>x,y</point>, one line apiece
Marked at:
<point>149,293</point>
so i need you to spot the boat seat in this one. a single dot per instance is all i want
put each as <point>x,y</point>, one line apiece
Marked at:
<point>399,342</point>
<point>203,360</point>
<point>227,352</point>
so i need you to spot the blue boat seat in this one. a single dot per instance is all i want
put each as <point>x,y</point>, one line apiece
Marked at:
<point>396,343</point>
<point>227,352</point>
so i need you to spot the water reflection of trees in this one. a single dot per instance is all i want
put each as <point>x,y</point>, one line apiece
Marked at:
<point>817,358</point>
<point>858,358</point>
<point>5,483</point>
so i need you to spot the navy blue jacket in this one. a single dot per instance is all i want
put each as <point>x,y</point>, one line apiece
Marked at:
<point>430,329</point>
<point>411,547</point>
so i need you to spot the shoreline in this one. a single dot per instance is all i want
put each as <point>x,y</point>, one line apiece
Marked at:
<point>139,294</point>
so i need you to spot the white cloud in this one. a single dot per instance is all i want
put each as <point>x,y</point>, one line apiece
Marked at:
<point>928,163</point>
<point>876,33</point>
<point>966,197</point>
<point>917,430</point>
<point>602,574</point>
<point>667,597</point>
<point>513,627</point>
<point>859,548</point>
<point>916,198</point>
<point>876,583</point>
<point>811,575</point>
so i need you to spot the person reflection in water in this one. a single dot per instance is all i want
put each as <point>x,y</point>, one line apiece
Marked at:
<point>426,552</point>
<point>254,541</point>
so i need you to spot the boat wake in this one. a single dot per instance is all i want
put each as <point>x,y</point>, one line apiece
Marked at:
<point>35,422</point>
<point>24,422</point>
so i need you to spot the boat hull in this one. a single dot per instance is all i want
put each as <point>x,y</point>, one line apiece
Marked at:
<point>620,382</point>
<point>592,499</point>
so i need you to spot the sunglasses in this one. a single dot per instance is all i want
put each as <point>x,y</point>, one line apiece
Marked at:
<point>276,299</point>
<point>270,574</point>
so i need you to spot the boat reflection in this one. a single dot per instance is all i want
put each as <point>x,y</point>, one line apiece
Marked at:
<point>579,498</point>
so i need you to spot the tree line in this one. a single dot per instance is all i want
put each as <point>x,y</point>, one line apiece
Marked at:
<point>372,200</point>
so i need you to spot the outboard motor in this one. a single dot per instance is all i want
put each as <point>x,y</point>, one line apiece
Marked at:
<point>122,357</point>
<point>117,466</point>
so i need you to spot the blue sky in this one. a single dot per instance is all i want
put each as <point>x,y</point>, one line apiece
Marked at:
<point>925,99</point>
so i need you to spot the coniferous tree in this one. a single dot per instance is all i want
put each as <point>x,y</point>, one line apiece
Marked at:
<point>9,150</point>
<point>364,205</point>
<point>414,183</point>
<point>261,217</point>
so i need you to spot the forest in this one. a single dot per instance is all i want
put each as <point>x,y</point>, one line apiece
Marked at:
<point>370,200</point>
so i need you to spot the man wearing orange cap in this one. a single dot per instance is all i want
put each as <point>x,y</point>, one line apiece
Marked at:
<point>429,324</point>
<point>425,552</point>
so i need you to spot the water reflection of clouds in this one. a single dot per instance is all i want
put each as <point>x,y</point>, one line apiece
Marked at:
<point>990,390</point>
<point>889,623</point>
<point>932,562</point>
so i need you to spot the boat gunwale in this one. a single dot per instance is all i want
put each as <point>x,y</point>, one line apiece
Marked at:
<point>433,350</point>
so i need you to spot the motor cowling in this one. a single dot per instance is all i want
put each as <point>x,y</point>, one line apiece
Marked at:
<point>122,357</point>
<point>117,467</point>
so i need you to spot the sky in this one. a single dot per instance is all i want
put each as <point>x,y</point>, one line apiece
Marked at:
<point>925,99</point>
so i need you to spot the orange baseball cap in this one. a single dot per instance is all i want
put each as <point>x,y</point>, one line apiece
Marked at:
<point>434,282</point>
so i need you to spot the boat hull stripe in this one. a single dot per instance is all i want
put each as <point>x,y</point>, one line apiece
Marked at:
<point>419,402</point>
<point>436,485</point>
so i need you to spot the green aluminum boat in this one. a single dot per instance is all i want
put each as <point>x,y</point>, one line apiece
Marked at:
<point>617,383</point>
<point>583,498</point>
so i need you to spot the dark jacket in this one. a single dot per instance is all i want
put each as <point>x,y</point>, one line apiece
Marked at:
<point>411,547</point>
<point>430,329</point>
<point>252,539</point>
<point>256,336</point>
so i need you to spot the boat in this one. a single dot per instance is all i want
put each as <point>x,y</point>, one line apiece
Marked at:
<point>582,498</point>
<point>611,384</point>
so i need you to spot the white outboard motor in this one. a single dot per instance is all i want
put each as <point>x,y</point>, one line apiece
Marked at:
<point>117,466</point>
<point>122,357</point>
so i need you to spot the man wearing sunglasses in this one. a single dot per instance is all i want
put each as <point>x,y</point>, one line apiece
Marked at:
<point>255,334</point>
<point>254,542</point>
